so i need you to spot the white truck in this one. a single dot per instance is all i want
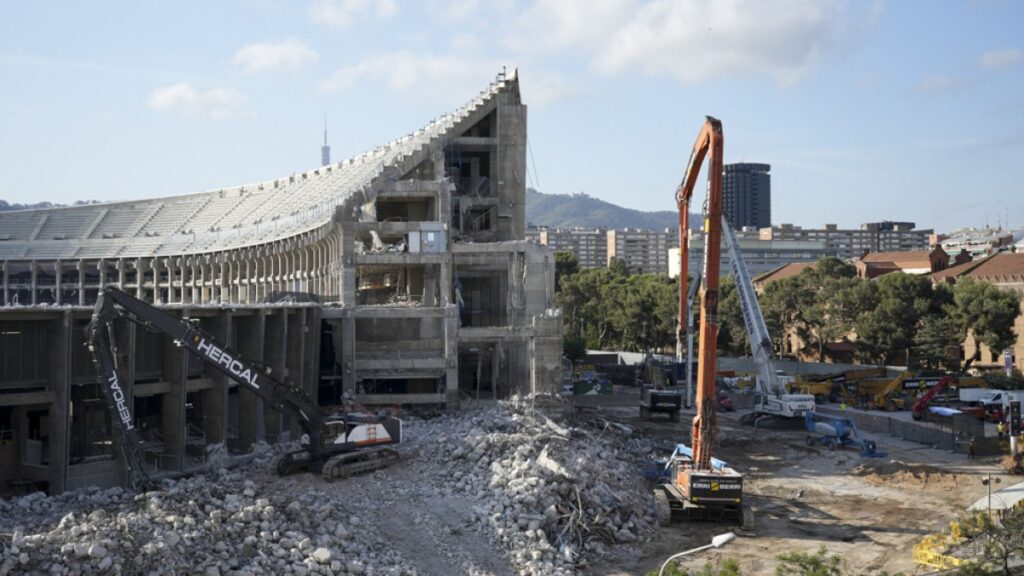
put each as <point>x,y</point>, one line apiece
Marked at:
<point>772,398</point>
<point>978,396</point>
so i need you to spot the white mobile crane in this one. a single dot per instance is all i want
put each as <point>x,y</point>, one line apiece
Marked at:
<point>772,398</point>
<point>336,445</point>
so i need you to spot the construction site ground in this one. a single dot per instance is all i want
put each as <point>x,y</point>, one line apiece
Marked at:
<point>871,511</point>
<point>425,514</point>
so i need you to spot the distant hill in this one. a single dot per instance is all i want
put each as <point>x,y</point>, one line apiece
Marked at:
<point>580,210</point>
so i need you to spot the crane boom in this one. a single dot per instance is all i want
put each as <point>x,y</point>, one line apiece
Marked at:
<point>772,397</point>
<point>753,319</point>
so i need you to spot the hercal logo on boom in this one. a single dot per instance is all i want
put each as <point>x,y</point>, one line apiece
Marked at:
<point>119,401</point>
<point>221,357</point>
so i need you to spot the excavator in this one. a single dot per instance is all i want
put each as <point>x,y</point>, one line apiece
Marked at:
<point>335,445</point>
<point>699,486</point>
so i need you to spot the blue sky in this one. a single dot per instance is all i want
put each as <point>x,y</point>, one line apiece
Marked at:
<point>909,110</point>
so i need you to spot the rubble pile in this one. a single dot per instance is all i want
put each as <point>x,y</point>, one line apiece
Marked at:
<point>222,523</point>
<point>555,498</point>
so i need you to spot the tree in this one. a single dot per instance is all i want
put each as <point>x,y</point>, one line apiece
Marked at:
<point>1002,542</point>
<point>982,309</point>
<point>834,268</point>
<point>784,304</point>
<point>728,568</point>
<point>618,267</point>
<point>936,344</point>
<point>574,347</point>
<point>566,264</point>
<point>821,563</point>
<point>887,332</point>
<point>732,337</point>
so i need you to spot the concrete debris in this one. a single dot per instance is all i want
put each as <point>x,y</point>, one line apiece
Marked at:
<point>555,498</point>
<point>209,524</point>
<point>550,497</point>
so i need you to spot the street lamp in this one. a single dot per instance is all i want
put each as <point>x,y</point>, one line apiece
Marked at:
<point>989,481</point>
<point>716,542</point>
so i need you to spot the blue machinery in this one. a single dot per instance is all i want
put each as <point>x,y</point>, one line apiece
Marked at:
<point>836,431</point>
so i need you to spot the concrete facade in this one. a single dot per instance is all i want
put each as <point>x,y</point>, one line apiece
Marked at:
<point>590,245</point>
<point>643,251</point>
<point>400,277</point>
<point>854,243</point>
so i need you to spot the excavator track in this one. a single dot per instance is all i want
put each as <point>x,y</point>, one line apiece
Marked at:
<point>291,462</point>
<point>360,462</point>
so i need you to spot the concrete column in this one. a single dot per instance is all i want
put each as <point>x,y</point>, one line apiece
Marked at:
<point>215,399</point>
<point>445,281</point>
<point>60,414</point>
<point>274,356</point>
<point>140,273</point>
<point>250,336</point>
<point>156,264</point>
<point>35,281</point>
<point>124,341</point>
<point>58,270</point>
<point>496,350</point>
<point>345,350</point>
<point>451,355</point>
<point>182,297</point>
<point>173,405</point>
<point>81,283</point>
<point>295,357</point>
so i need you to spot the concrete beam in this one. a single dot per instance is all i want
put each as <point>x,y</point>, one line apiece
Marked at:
<point>27,398</point>
<point>397,259</point>
<point>379,399</point>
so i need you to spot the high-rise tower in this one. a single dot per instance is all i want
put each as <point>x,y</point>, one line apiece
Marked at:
<point>325,150</point>
<point>747,195</point>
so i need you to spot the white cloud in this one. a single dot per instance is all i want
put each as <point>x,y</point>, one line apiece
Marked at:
<point>936,83</point>
<point>343,13</point>
<point>439,76</point>
<point>444,78</point>
<point>274,56</point>
<point>692,40</point>
<point>184,99</point>
<point>1001,58</point>
<point>465,42</point>
<point>542,89</point>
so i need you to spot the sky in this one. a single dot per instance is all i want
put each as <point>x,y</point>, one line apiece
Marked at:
<point>866,110</point>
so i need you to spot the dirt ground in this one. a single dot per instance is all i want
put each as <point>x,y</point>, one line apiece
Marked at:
<point>872,511</point>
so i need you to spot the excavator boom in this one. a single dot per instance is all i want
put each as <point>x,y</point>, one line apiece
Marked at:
<point>335,442</point>
<point>698,489</point>
<point>710,142</point>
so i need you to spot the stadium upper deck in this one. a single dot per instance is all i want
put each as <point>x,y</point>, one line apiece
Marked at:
<point>222,219</point>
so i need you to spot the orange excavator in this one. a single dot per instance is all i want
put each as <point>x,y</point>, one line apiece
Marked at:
<point>700,486</point>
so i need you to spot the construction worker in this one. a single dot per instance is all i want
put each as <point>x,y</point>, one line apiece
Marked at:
<point>971,449</point>
<point>842,406</point>
<point>1000,429</point>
